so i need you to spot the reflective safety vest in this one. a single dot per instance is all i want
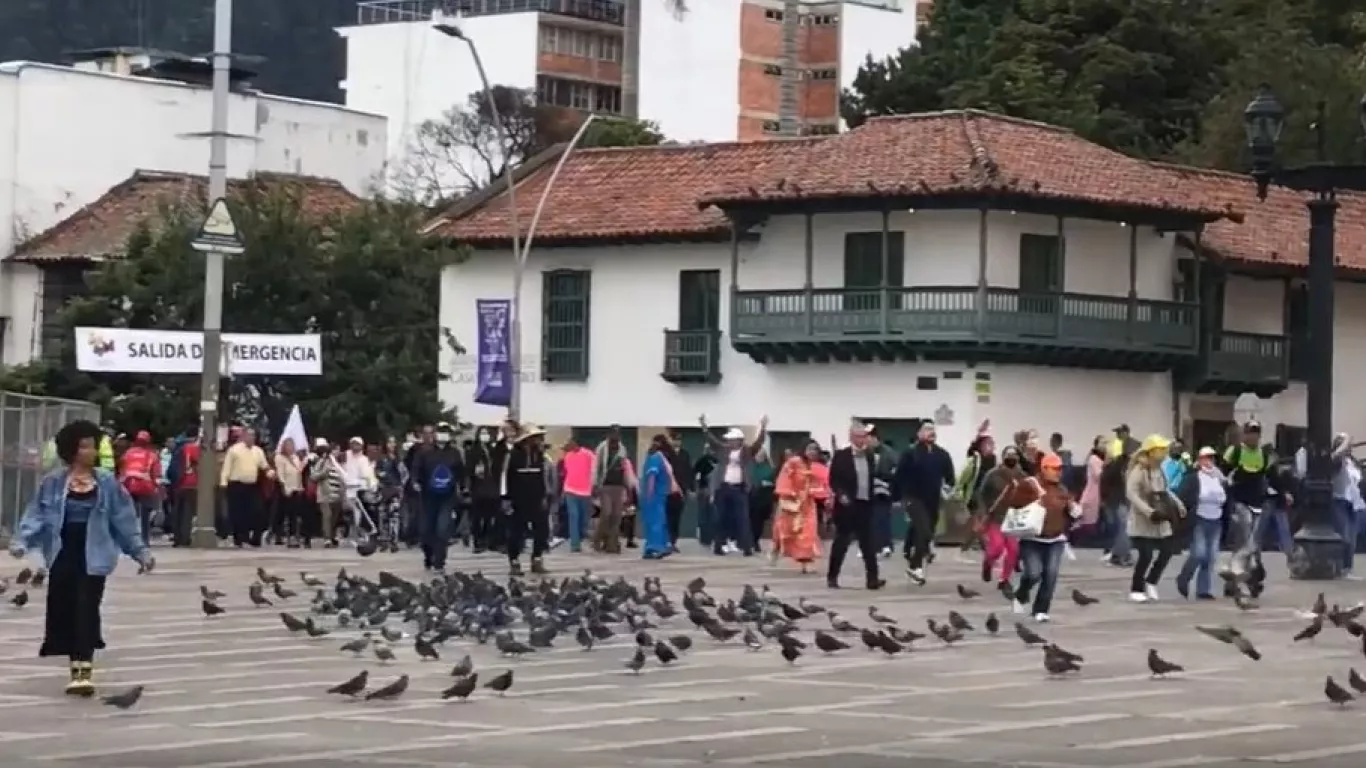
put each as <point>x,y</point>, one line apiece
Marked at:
<point>106,453</point>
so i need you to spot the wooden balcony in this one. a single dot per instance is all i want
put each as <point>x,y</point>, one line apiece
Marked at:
<point>692,357</point>
<point>1001,324</point>
<point>1240,362</point>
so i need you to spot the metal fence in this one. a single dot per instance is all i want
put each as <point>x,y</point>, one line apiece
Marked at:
<point>26,424</point>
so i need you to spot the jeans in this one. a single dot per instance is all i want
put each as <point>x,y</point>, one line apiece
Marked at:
<point>1199,563</point>
<point>579,511</point>
<point>882,522</point>
<point>732,518</point>
<point>1346,523</point>
<point>1117,520</point>
<point>1153,556</point>
<point>1041,561</point>
<point>436,529</point>
<point>1274,517</point>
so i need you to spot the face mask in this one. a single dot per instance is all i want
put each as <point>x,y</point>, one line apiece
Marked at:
<point>443,437</point>
<point>484,438</point>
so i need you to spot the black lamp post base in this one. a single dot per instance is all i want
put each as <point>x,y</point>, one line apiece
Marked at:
<point>1318,553</point>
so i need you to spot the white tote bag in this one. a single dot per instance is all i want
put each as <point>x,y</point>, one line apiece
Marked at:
<point>1025,522</point>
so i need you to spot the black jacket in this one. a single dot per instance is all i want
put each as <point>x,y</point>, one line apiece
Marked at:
<point>526,475</point>
<point>682,466</point>
<point>922,473</point>
<point>429,457</point>
<point>484,482</point>
<point>844,474</point>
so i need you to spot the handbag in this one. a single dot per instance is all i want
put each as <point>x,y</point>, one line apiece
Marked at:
<point>1024,522</point>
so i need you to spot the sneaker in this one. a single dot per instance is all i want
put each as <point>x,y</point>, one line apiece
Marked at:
<point>1067,551</point>
<point>885,552</point>
<point>1105,556</point>
<point>916,575</point>
<point>1006,590</point>
<point>1350,576</point>
<point>877,584</point>
<point>555,542</point>
<point>538,567</point>
<point>1138,597</point>
<point>1151,591</point>
<point>514,568</point>
<point>1042,618</point>
<point>1018,608</point>
<point>729,548</point>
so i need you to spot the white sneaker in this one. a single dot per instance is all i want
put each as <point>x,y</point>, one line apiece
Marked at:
<point>1018,608</point>
<point>886,552</point>
<point>917,575</point>
<point>1137,597</point>
<point>1067,550</point>
<point>730,548</point>
<point>1042,618</point>
<point>1151,592</point>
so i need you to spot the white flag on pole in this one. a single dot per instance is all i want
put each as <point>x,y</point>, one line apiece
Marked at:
<point>294,430</point>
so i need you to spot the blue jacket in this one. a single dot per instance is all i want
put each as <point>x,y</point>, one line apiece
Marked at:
<point>114,526</point>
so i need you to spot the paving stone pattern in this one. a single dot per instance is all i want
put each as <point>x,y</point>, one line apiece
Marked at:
<point>239,692</point>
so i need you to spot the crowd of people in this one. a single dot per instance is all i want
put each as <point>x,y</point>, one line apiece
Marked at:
<point>503,489</point>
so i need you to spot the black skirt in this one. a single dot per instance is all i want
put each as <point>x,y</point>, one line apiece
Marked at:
<point>73,601</point>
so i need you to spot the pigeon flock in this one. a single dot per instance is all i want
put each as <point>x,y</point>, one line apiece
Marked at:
<point>388,616</point>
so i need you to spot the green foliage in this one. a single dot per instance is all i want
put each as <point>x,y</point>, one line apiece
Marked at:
<point>622,132</point>
<point>1165,79</point>
<point>365,280</point>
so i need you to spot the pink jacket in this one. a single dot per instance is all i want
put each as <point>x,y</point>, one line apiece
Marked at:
<point>1090,496</point>
<point>578,472</point>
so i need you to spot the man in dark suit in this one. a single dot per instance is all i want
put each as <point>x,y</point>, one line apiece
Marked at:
<point>852,471</point>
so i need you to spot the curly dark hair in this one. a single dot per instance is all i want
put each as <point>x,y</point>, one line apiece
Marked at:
<point>69,437</point>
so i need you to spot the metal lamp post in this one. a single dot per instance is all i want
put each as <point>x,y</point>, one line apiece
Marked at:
<point>1318,552</point>
<point>518,256</point>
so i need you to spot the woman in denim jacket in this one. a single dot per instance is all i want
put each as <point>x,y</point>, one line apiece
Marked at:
<point>79,521</point>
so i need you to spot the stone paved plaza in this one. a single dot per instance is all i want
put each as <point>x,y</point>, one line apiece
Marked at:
<point>238,691</point>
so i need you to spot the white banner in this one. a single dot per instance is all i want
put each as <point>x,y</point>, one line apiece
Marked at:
<point>129,350</point>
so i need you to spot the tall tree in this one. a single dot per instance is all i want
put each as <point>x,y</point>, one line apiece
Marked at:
<point>365,280</point>
<point>463,150</point>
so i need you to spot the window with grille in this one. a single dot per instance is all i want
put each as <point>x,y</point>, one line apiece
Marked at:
<point>566,296</point>
<point>61,285</point>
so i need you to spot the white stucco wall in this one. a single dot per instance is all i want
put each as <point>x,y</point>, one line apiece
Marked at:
<point>635,298</point>
<point>1257,306</point>
<point>67,136</point>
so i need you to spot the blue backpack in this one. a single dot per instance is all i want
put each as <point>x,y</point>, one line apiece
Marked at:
<point>177,466</point>
<point>442,481</point>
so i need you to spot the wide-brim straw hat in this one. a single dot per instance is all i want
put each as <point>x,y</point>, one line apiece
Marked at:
<point>529,430</point>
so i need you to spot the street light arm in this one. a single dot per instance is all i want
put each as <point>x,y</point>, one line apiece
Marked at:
<point>550,183</point>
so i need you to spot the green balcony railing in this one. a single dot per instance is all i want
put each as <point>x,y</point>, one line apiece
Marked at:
<point>692,356</point>
<point>963,314</point>
<point>1248,357</point>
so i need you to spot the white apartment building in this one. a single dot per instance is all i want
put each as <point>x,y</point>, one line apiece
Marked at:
<point>70,133</point>
<point>726,70</point>
<point>1021,275</point>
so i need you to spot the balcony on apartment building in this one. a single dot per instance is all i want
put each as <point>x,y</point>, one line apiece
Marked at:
<point>394,11</point>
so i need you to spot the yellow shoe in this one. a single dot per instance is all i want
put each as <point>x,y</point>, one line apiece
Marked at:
<point>82,679</point>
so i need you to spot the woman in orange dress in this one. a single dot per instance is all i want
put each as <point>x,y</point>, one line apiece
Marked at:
<point>796,530</point>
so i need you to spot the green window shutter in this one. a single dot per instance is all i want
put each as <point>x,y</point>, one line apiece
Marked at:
<point>566,296</point>
<point>1040,264</point>
<point>863,266</point>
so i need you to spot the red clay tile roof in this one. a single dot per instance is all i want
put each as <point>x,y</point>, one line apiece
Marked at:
<point>100,229</point>
<point>666,192</point>
<point>1274,231</point>
<point>628,192</point>
<point>969,152</point>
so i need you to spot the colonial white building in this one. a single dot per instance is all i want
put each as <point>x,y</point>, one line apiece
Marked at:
<point>953,266</point>
<point>70,133</point>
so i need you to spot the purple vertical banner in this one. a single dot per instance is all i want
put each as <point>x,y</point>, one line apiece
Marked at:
<point>494,385</point>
